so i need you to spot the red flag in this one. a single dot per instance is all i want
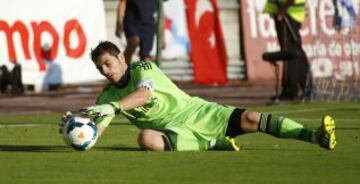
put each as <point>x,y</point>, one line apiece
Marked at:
<point>207,43</point>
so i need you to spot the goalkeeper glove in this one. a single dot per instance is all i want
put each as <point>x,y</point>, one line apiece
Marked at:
<point>68,115</point>
<point>108,109</point>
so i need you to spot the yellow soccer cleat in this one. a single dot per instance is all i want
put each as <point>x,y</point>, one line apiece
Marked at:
<point>233,144</point>
<point>226,143</point>
<point>326,133</point>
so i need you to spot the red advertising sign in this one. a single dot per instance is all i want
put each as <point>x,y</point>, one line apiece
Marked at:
<point>332,53</point>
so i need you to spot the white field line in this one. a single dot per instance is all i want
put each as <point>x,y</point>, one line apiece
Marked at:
<point>312,119</point>
<point>20,125</point>
<point>299,110</point>
<point>338,120</point>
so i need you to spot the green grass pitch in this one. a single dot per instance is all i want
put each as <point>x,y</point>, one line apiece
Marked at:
<point>31,151</point>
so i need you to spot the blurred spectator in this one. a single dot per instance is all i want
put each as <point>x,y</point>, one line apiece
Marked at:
<point>53,77</point>
<point>17,87</point>
<point>288,16</point>
<point>12,79</point>
<point>4,78</point>
<point>137,19</point>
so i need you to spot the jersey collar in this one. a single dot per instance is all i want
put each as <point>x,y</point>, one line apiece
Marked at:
<point>123,81</point>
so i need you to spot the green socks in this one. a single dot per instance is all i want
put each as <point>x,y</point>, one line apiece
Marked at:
<point>285,128</point>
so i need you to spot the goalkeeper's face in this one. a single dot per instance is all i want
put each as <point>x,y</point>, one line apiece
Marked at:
<point>112,67</point>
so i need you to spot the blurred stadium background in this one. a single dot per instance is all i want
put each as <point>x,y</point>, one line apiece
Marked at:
<point>52,41</point>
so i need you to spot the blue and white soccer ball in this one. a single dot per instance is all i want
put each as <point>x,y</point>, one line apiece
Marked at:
<point>80,133</point>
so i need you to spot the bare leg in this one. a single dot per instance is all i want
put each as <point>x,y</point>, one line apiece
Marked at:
<point>250,121</point>
<point>132,43</point>
<point>151,140</point>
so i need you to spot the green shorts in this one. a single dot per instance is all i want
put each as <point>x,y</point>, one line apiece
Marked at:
<point>185,138</point>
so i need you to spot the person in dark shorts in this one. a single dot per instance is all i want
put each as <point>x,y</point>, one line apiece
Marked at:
<point>136,18</point>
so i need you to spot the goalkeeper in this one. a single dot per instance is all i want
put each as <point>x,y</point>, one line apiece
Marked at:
<point>171,120</point>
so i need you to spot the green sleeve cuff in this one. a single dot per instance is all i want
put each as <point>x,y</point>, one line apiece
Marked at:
<point>117,107</point>
<point>104,120</point>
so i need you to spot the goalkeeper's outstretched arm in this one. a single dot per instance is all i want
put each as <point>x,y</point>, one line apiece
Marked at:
<point>103,114</point>
<point>101,128</point>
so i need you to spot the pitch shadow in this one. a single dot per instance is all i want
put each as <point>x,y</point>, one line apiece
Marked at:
<point>117,148</point>
<point>33,148</point>
<point>278,149</point>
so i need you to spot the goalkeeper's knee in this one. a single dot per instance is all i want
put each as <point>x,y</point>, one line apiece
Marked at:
<point>152,140</point>
<point>250,121</point>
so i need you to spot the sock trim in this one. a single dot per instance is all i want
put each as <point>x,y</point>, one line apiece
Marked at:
<point>262,127</point>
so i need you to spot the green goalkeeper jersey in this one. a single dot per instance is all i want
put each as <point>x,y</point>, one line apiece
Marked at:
<point>168,106</point>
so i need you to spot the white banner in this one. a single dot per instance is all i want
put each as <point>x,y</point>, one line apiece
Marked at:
<point>51,39</point>
<point>176,33</point>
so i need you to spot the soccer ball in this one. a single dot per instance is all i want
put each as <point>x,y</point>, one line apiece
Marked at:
<point>80,133</point>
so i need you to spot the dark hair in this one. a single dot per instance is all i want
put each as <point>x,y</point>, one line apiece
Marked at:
<point>102,48</point>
